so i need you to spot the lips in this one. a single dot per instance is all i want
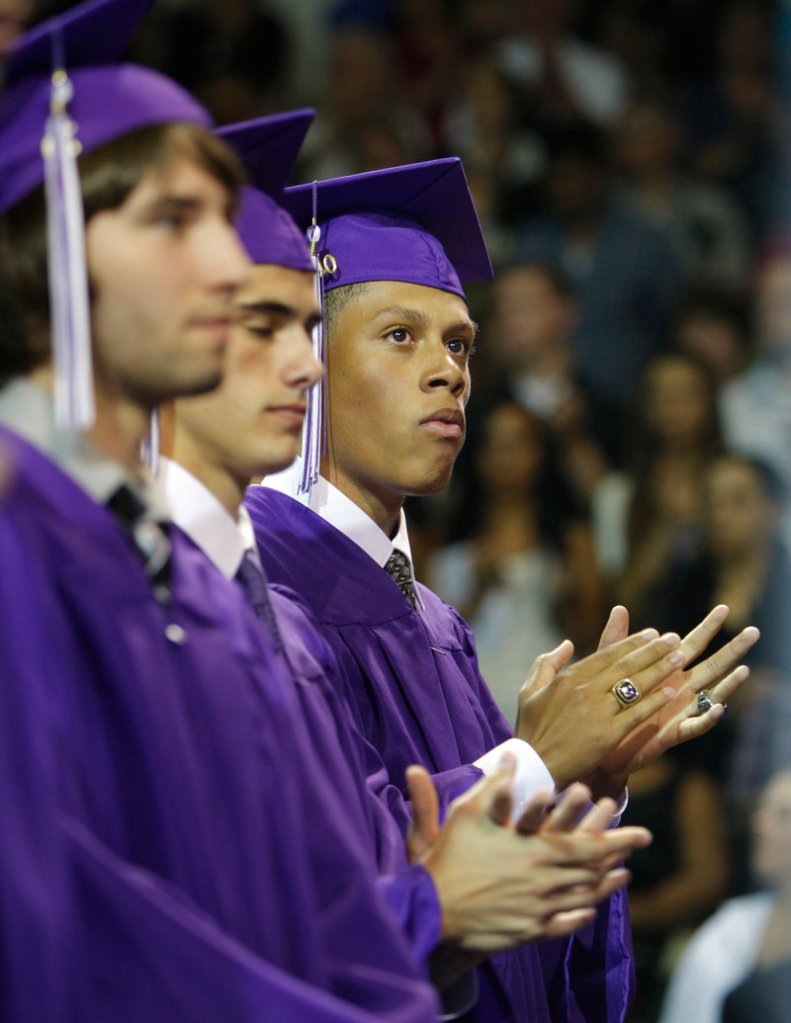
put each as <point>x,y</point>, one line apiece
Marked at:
<point>445,415</point>
<point>446,422</point>
<point>292,414</point>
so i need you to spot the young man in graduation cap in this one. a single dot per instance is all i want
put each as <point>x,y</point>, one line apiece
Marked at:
<point>395,248</point>
<point>169,846</point>
<point>250,426</point>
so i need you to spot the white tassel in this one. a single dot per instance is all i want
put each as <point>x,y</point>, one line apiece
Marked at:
<point>313,435</point>
<point>150,448</point>
<point>68,275</point>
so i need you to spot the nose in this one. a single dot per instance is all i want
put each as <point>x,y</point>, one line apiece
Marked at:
<point>303,368</point>
<point>444,371</point>
<point>229,266</point>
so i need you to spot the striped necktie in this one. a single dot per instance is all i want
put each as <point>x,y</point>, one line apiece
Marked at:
<point>400,571</point>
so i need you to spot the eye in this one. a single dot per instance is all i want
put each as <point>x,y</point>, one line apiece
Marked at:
<point>399,334</point>
<point>460,346</point>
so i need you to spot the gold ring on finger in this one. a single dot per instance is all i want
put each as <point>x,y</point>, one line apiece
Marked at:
<point>625,692</point>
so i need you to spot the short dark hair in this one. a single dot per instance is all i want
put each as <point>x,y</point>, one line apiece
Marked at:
<point>107,176</point>
<point>336,300</point>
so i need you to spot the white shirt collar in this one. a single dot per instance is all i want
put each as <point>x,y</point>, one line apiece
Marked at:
<point>28,410</point>
<point>341,512</point>
<point>203,518</point>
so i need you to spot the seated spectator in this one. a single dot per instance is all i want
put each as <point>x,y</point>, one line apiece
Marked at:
<point>748,941</point>
<point>524,576</point>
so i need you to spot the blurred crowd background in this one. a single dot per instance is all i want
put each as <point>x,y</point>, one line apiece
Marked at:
<point>630,428</point>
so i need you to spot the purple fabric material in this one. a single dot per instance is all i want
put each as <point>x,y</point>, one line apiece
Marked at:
<point>419,698</point>
<point>415,224</point>
<point>92,33</point>
<point>268,148</point>
<point>268,233</point>
<point>108,102</point>
<point>193,815</point>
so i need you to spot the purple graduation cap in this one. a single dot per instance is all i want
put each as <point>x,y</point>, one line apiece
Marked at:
<point>416,224</point>
<point>268,148</point>
<point>67,94</point>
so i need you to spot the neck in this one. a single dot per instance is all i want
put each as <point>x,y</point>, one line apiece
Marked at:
<point>120,425</point>
<point>217,479</point>
<point>384,507</point>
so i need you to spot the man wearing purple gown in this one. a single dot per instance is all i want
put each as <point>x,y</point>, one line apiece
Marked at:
<point>250,426</point>
<point>169,842</point>
<point>395,248</point>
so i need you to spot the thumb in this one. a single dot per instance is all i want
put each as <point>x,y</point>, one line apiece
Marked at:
<point>424,828</point>
<point>617,627</point>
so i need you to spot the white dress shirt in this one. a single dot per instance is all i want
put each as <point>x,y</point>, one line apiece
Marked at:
<point>195,510</point>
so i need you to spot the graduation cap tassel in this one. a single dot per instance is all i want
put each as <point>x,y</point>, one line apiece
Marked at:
<point>68,277</point>
<point>314,435</point>
<point>150,448</point>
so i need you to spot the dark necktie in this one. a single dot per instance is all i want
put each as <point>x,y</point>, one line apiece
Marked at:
<point>399,569</point>
<point>252,580</point>
<point>149,537</point>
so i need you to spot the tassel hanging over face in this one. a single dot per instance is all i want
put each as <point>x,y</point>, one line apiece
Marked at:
<point>68,276</point>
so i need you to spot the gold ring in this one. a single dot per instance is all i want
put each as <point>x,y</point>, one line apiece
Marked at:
<point>625,692</point>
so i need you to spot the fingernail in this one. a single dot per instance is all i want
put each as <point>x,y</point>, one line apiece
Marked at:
<point>676,658</point>
<point>671,638</point>
<point>669,692</point>
<point>649,634</point>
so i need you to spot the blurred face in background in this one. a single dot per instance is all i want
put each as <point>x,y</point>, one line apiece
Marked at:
<point>678,406</point>
<point>772,832</point>
<point>511,452</point>
<point>741,517</point>
<point>531,318</point>
<point>773,308</point>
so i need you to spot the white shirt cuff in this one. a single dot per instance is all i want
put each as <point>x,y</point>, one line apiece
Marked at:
<point>531,776</point>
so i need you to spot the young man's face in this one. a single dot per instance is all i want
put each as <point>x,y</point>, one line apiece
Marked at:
<point>398,365</point>
<point>164,267</point>
<point>252,424</point>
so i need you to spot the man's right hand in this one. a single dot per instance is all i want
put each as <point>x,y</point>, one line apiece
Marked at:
<point>502,884</point>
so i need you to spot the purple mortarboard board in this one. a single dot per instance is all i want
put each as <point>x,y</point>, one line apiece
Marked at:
<point>67,94</point>
<point>109,99</point>
<point>415,224</point>
<point>268,148</point>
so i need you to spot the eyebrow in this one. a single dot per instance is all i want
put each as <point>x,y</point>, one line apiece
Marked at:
<point>415,316</point>
<point>273,308</point>
<point>188,205</point>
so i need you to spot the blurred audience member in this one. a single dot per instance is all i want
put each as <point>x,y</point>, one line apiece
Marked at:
<point>234,55</point>
<point>624,271</point>
<point>756,405</point>
<point>747,944</point>
<point>729,115</point>
<point>524,577</point>
<point>528,339</point>
<point>714,324</point>
<point>648,522</point>
<point>488,127</point>
<point>574,80</point>
<point>362,109</point>
<point>704,224</point>
<point>681,877</point>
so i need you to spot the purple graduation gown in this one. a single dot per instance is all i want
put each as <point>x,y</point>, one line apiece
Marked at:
<point>186,862</point>
<point>414,684</point>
